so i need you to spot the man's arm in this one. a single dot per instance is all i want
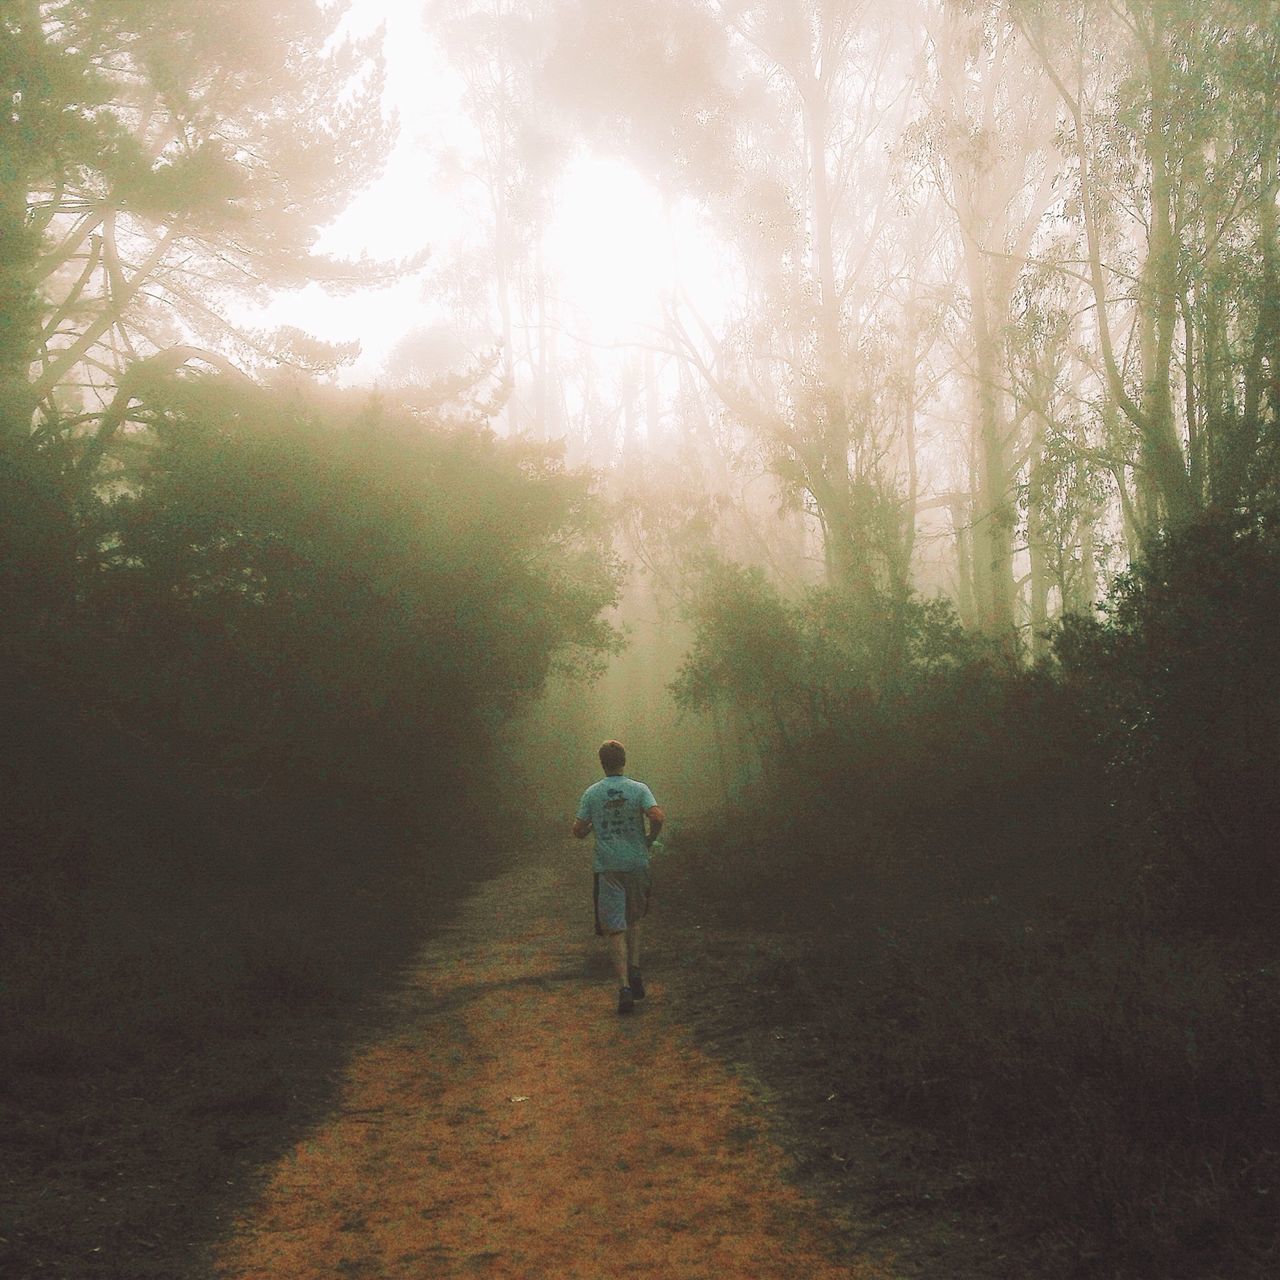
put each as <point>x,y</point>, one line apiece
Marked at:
<point>581,827</point>
<point>656,819</point>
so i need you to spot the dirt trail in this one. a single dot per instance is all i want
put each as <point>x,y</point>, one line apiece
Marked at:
<point>511,1125</point>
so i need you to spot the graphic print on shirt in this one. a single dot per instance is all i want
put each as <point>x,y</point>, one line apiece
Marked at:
<point>615,816</point>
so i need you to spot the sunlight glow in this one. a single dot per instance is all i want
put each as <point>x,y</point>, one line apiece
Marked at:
<point>611,248</point>
<point>614,252</point>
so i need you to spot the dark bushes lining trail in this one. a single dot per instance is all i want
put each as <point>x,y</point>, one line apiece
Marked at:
<point>247,691</point>
<point>1031,912</point>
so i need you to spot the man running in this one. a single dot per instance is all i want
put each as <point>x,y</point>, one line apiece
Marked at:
<point>615,809</point>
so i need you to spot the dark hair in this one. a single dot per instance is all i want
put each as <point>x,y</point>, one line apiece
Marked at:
<point>613,755</point>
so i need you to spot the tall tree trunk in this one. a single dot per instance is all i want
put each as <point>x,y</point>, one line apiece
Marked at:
<point>1038,549</point>
<point>910,382</point>
<point>542,395</point>
<point>1162,450</point>
<point>19,317</point>
<point>1162,462</point>
<point>846,553</point>
<point>1262,366</point>
<point>19,134</point>
<point>994,517</point>
<point>502,282</point>
<point>1081,591</point>
<point>627,385</point>
<point>961,523</point>
<point>652,403</point>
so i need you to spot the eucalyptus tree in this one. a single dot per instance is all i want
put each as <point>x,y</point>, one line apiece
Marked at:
<point>1069,474</point>
<point>1229,299</point>
<point>496,283</point>
<point>989,131</point>
<point>781,121</point>
<point>1169,123</point>
<point>843,77</point>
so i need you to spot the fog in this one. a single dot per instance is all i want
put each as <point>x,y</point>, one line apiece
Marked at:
<point>868,411</point>
<point>888,268</point>
<point>960,295</point>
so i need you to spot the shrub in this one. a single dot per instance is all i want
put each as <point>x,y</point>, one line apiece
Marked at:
<point>1033,910</point>
<point>248,694</point>
<point>1179,675</point>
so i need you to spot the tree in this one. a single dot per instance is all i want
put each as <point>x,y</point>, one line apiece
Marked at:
<point>172,156</point>
<point>991,129</point>
<point>1069,479</point>
<point>1169,114</point>
<point>301,584</point>
<point>781,122</point>
<point>499,47</point>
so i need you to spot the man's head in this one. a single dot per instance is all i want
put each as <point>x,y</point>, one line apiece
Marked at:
<point>613,755</point>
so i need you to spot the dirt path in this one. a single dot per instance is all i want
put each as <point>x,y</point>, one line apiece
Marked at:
<point>512,1125</point>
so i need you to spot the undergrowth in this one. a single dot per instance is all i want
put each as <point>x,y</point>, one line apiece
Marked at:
<point>1032,913</point>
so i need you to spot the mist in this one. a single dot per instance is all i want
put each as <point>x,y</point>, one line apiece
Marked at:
<point>865,412</point>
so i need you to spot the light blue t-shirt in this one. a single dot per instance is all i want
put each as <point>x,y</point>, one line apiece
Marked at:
<point>615,807</point>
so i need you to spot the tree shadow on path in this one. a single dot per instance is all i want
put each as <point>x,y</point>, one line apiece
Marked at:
<point>509,1123</point>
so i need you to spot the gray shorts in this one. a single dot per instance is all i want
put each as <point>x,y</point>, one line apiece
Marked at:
<point>621,898</point>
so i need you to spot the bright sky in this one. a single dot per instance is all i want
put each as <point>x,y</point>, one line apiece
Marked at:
<point>613,249</point>
<point>618,250</point>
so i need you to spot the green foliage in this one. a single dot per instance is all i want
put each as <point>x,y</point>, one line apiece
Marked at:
<point>653,80</point>
<point>252,699</point>
<point>305,615</point>
<point>746,647</point>
<point>283,582</point>
<point>1034,909</point>
<point>1179,674</point>
<point>795,669</point>
<point>37,543</point>
<point>156,156</point>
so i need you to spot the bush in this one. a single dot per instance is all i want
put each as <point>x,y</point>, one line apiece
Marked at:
<point>1032,909</point>
<point>898,751</point>
<point>287,630</point>
<point>1179,676</point>
<point>249,693</point>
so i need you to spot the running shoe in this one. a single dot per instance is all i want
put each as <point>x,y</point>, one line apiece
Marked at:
<point>626,1000</point>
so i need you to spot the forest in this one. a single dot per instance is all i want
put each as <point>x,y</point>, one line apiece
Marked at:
<point>869,412</point>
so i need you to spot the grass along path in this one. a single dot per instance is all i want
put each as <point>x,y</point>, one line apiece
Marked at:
<point>512,1125</point>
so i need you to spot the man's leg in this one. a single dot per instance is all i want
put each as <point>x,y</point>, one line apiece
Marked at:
<point>634,980</point>
<point>611,917</point>
<point>618,954</point>
<point>618,951</point>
